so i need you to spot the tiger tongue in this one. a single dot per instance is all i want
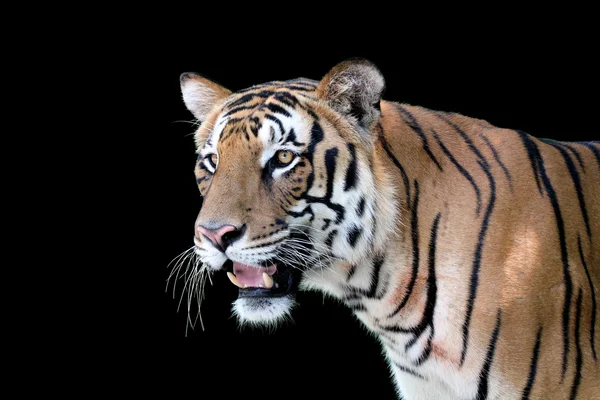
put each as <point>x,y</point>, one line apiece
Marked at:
<point>252,276</point>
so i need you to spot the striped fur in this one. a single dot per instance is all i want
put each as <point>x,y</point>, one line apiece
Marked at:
<point>471,252</point>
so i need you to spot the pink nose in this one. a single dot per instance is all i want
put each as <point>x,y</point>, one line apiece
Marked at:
<point>221,237</point>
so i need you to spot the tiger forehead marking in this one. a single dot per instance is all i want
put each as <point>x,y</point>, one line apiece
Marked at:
<point>258,122</point>
<point>471,252</point>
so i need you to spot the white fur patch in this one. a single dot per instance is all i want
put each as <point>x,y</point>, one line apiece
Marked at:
<point>270,147</point>
<point>211,257</point>
<point>261,311</point>
<point>198,98</point>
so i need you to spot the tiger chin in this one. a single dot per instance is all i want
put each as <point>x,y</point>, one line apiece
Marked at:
<point>471,252</point>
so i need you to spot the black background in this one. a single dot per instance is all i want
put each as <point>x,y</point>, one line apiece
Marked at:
<point>544,83</point>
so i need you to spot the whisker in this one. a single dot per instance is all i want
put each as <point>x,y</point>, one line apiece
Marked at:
<point>189,268</point>
<point>180,261</point>
<point>176,261</point>
<point>193,122</point>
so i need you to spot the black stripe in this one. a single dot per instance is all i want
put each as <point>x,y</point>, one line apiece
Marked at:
<point>576,182</point>
<point>579,358</point>
<point>291,137</point>
<point>360,209</point>
<point>353,235</point>
<point>230,129</point>
<point>330,237</point>
<point>575,152</point>
<point>316,136</point>
<point>351,172</point>
<point>533,153</point>
<point>477,260</point>
<point>498,160</point>
<point>371,293</point>
<point>300,88</point>
<point>395,329</point>
<point>250,96</point>
<point>264,244</point>
<point>266,235</point>
<point>330,164</point>
<point>411,342</point>
<point>351,272</point>
<point>203,167</point>
<point>427,318</point>
<point>593,292</point>
<point>277,109</point>
<point>312,113</point>
<point>411,121</point>
<point>377,263</point>
<point>408,370</point>
<point>255,125</point>
<point>386,147</point>
<point>482,389</point>
<point>277,121</point>
<point>533,365</point>
<point>286,98</point>
<point>590,145</point>
<point>465,137</point>
<point>426,352</point>
<point>461,169</point>
<point>414,226</point>
<point>307,210</point>
<point>431,287</point>
<point>238,109</point>
<point>536,159</point>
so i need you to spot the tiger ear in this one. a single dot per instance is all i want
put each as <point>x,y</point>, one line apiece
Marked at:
<point>200,95</point>
<point>354,88</point>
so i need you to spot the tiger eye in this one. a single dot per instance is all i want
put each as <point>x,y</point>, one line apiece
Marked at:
<point>213,159</point>
<point>284,156</point>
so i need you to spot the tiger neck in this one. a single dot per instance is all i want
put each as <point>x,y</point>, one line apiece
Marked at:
<point>385,288</point>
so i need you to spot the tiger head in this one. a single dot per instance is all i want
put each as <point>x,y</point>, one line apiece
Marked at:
<point>289,183</point>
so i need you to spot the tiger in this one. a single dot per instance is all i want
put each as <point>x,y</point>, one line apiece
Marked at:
<point>471,252</point>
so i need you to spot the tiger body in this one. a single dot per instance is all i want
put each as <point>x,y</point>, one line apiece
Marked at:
<point>471,252</point>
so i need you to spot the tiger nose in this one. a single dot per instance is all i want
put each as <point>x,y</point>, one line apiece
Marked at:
<point>221,237</point>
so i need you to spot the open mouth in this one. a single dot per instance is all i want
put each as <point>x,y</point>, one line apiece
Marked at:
<point>274,280</point>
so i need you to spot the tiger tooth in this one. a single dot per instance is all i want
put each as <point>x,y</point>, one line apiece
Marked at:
<point>234,280</point>
<point>268,280</point>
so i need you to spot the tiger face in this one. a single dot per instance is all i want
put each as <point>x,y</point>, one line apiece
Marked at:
<point>287,180</point>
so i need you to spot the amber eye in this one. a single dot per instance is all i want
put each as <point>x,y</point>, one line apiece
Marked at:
<point>212,160</point>
<point>284,157</point>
